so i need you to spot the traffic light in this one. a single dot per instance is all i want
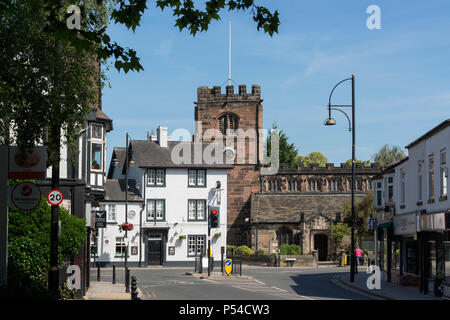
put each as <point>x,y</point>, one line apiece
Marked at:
<point>214,215</point>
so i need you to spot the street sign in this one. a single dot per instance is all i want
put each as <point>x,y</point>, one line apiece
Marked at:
<point>228,266</point>
<point>100,219</point>
<point>26,196</point>
<point>55,197</point>
<point>31,165</point>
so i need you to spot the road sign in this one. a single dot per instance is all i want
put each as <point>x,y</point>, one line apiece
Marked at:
<point>26,196</point>
<point>100,219</point>
<point>30,165</point>
<point>228,266</point>
<point>55,197</point>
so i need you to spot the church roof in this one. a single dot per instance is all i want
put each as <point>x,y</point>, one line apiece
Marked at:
<point>287,208</point>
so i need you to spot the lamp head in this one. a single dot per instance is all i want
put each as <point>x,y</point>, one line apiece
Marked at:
<point>330,122</point>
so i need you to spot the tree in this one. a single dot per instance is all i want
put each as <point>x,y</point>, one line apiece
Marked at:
<point>365,163</point>
<point>363,210</point>
<point>387,155</point>
<point>287,152</point>
<point>129,12</point>
<point>312,158</point>
<point>338,232</point>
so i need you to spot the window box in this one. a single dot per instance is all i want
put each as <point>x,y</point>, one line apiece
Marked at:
<point>419,203</point>
<point>443,198</point>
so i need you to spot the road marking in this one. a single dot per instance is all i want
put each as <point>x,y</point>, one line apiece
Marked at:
<point>279,289</point>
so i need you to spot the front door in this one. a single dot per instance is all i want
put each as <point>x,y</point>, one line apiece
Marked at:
<point>155,252</point>
<point>321,245</point>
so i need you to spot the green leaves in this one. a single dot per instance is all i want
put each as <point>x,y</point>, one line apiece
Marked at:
<point>387,155</point>
<point>29,240</point>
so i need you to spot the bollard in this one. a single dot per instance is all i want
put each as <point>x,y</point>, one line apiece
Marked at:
<point>240,266</point>
<point>114,275</point>
<point>98,272</point>
<point>127,280</point>
<point>134,293</point>
<point>201,262</point>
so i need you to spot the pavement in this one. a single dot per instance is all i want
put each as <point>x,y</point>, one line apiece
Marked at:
<point>388,290</point>
<point>100,290</point>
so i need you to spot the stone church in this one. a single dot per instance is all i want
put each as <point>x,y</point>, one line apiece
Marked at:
<point>294,206</point>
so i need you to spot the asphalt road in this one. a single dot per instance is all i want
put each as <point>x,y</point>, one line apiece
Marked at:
<point>258,283</point>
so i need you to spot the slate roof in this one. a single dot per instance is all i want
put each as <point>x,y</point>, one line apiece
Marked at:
<point>287,208</point>
<point>115,190</point>
<point>149,154</point>
<point>120,155</point>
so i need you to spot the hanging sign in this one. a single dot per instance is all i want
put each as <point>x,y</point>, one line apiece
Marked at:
<point>25,196</point>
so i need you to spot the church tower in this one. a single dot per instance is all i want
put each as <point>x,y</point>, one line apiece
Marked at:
<point>238,117</point>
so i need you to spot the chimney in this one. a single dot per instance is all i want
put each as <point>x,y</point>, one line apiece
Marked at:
<point>161,133</point>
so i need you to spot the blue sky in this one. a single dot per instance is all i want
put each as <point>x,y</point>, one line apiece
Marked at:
<point>402,72</point>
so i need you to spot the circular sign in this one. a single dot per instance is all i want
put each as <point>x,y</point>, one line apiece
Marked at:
<point>131,214</point>
<point>55,197</point>
<point>26,196</point>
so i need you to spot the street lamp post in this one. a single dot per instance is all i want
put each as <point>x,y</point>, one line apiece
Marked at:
<point>330,122</point>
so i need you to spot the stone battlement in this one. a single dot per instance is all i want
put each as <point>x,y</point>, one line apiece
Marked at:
<point>214,94</point>
<point>329,167</point>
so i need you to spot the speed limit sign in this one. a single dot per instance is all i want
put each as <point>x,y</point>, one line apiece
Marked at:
<point>55,197</point>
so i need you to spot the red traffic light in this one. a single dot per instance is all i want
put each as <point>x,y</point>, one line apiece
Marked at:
<point>214,211</point>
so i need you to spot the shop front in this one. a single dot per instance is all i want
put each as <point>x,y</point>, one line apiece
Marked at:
<point>405,232</point>
<point>434,245</point>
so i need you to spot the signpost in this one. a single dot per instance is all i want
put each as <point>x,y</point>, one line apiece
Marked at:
<point>55,197</point>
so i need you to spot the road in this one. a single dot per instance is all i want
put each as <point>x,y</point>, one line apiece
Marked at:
<point>257,283</point>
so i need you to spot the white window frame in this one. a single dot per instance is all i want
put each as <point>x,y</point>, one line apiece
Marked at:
<point>92,158</point>
<point>443,173</point>
<point>431,177</point>
<point>419,179</point>
<point>111,208</point>
<point>98,125</point>
<point>195,210</point>
<point>191,178</point>
<point>120,243</point>
<point>156,216</point>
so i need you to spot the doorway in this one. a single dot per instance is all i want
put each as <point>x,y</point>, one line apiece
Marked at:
<point>321,245</point>
<point>155,249</point>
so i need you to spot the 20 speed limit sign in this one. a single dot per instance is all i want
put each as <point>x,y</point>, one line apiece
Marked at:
<point>55,197</point>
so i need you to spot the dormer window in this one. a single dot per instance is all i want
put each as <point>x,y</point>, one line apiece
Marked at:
<point>228,121</point>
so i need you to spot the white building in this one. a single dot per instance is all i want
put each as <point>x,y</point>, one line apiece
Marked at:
<point>417,212</point>
<point>422,193</point>
<point>169,206</point>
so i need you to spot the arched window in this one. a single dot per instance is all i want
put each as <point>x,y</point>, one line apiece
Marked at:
<point>228,121</point>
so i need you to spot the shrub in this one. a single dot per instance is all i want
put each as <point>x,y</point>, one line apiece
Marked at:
<point>290,249</point>
<point>260,252</point>
<point>29,245</point>
<point>244,250</point>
